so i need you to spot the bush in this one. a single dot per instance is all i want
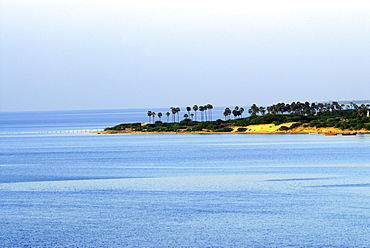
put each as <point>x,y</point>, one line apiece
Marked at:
<point>224,129</point>
<point>313,123</point>
<point>242,129</point>
<point>210,127</point>
<point>283,128</point>
<point>139,128</point>
<point>294,125</point>
<point>359,126</point>
<point>365,120</point>
<point>197,128</point>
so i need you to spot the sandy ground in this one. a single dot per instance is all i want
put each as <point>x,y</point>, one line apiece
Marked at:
<point>271,128</point>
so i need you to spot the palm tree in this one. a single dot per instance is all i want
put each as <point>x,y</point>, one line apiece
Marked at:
<point>269,109</point>
<point>352,105</point>
<point>205,111</point>
<point>227,113</point>
<point>178,113</point>
<point>235,113</point>
<point>210,107</point>
<point>153,115</point>
<point>173,110</point>
<point>195,108</point>
<point>262,110</point>
<point>186,116</point>
<point>192,115</point>
<point>254,109</point>
<point>201,109</point>
<point>241,111</point>
<point>168,116</point>
<point>188,108</point>
<point>336,105</point>
<point>160,115</point>
<point>149,114</point>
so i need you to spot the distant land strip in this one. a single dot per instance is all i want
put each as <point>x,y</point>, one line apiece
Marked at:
<point>324,118</point>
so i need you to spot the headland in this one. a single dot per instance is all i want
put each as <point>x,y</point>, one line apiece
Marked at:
<point>300,118</point>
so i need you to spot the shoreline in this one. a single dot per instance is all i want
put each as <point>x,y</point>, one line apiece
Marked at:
<point>255,129</point>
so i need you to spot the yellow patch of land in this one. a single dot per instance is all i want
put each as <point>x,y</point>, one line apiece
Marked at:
<point>272,128</point>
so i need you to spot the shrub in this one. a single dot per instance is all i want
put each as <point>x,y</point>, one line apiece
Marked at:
<point>294,125</point>
<point>283,128</point>
<point>359,126</point>
<point>242,129</point>
<point>224,129</point>
<point>197,128</point>
<point>210,127</point>
<point>365,120</point>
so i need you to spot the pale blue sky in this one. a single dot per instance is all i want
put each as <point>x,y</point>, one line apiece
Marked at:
<point>88,54</point>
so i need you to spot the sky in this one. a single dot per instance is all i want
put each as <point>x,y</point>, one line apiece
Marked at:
<point>118,54</point>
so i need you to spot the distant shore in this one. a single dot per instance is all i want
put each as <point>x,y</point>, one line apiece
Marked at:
<point>329,119</point>
<point>260,128</point>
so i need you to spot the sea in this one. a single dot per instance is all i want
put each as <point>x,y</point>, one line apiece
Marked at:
<point>61,185</point>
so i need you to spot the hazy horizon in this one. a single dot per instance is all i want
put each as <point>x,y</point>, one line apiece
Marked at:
<point>82,55</point>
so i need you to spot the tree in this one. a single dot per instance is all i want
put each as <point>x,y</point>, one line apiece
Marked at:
<point>210,107</point>
<point>173,110</point>
<point>241,111</point>
<point>201,109</point>
<point>160,115</point>
<point>205,111</point>
<point>168,116</point>
<point>195,108</point>
<point>188,108</point>
<point>149,114</point>
<point>262,110</point>
<point>227,113</point>
<point>235,113</point>
<point>178,113</point>
<point>253,110</point>
<point>153,115</point>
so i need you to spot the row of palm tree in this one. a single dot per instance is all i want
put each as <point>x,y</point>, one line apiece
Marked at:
<point>305,108</point>
<point>205,111</point>
<point>237,112</point>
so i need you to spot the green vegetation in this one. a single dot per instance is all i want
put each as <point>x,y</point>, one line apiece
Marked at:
<point>344,117</point>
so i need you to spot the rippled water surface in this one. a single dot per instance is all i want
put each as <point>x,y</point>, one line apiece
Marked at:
<point>229,190</point>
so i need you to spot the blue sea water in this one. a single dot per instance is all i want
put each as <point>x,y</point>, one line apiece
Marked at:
<point>80,189</point>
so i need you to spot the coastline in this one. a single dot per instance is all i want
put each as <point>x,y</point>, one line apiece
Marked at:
<point>257,129</point>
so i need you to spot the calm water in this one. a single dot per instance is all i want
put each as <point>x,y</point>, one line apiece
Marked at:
<point>61,189</point>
